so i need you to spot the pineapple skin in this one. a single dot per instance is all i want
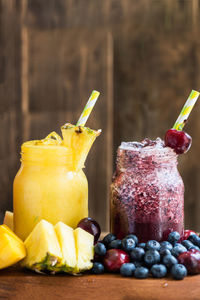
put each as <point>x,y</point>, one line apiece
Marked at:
<point>84,250</point>
<point>12,249</point>
<point>50,263</point>
<point>43,250</point>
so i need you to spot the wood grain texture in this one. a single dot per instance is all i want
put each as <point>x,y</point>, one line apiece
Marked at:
<point>10,114</point>
<point>19,285</point>
<point>143,54</point>
<point>63,79</point>
<point>156,68</point>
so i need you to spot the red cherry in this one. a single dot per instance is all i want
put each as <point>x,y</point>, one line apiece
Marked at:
<point>186,234</point>
<point>114,259</point>
<point>180,141</point>
<point>91,226</point>
<point>191,260</point>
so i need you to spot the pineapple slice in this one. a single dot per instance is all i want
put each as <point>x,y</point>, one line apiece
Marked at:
<point>79,139</point>
<point>66,240</point>
<point>5,229</point>
<point>43,250</point>
<point>8,219</point>
<point>84,249</point>
<point>12,249</point>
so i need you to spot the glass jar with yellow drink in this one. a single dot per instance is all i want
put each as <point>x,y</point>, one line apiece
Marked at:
<point>50,183</point>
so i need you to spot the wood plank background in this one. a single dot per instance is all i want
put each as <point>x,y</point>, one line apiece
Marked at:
<point>144,57</point>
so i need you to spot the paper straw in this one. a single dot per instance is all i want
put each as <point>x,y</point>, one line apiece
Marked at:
<point>186,110</point>
<point>88,108</point>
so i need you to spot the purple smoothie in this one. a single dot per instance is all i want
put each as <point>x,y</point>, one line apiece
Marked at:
<point>147,191</point>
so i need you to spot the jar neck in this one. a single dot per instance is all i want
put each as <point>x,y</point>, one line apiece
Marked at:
<point>145,160</point>
<point>47,156</point>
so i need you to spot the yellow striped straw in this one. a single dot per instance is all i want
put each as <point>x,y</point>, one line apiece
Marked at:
<point>186,110</point>
<point>88,108</point>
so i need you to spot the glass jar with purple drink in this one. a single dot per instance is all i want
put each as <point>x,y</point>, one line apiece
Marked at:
<point>147,191</point>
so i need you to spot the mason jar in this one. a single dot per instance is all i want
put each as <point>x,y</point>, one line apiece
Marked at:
<point>47,187</point>
<point>147,191</point>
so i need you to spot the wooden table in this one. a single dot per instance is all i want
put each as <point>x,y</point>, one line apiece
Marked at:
<point>19,285</point>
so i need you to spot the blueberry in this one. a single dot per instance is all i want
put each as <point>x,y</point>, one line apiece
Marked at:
<point>152,245</point>
<point>133,236</point>
<point>142,245</point>
<point>116,244</point>
<point>137,254</point>
<point>169,260</point>
<point>194,247</point>
<point>158,271</point>
<point>178,271</point>
<point>100,249</point>
<point>127,269</point>
<point>178,249</point>
<point>108,239</point>
<point>151,257</point>
<point>195,239</point>
<point>141,272</point>
<point>173,237</point>
<point>97,268</point>
<point>187,244</point>
<point>166,245</point>
<point>164,251</point>
<point>128,244</point>
<point>139,264</point>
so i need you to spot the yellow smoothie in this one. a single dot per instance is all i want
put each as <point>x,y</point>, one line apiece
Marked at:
<point>50,185</point>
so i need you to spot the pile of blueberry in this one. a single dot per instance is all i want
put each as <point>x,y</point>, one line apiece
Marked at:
<point>177,256</point>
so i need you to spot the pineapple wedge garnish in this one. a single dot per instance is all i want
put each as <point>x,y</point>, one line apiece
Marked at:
<point>84,249</point>
<point>12,249</point>
<point>8,219</point>
<point>43,249</point>
<point>79,139</point>
<point>65,235</point>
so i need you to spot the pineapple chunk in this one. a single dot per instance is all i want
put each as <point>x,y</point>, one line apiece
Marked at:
<point>43,250</point>
<point>79,139</point>
<point>66,240</point>
<point>8,219</point>
<point>12,249</point>
<point>5,229</point>
<point>84,249</point>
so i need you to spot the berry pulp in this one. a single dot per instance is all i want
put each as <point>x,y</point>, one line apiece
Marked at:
<point>147,191</point>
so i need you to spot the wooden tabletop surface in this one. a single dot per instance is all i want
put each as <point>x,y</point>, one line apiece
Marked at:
<point>20,285</point>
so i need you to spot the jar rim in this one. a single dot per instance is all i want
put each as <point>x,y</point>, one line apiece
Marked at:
<point>51,154</point>
<point>33,146</point>
<point>148,147</point>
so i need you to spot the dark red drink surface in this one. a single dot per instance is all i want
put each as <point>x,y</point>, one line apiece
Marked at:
<point>147,191</point>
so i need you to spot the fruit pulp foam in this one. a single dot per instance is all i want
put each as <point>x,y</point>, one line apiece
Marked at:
<point>147,191</point>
